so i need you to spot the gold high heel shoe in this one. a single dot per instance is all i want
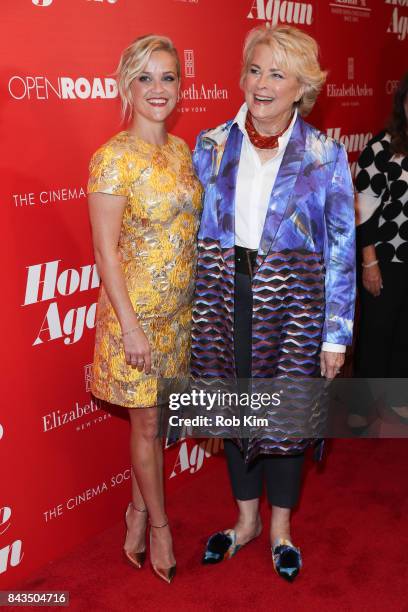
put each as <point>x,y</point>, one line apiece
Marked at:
<point>166,573</point>
<point>135,558</point>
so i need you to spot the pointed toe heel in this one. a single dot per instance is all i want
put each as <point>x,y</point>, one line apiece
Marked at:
<point>135,558</point>
<point>164,573</point>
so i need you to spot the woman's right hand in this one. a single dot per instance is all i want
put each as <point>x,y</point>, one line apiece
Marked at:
<point>137,350</point>
<point>372,280</point>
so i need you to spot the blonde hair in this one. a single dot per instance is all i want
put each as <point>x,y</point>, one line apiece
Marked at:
<point>132,62</point>
<point>293,50</point>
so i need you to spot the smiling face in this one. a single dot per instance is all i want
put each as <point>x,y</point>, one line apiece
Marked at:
<point>155,89</point>
<point>270,91</point>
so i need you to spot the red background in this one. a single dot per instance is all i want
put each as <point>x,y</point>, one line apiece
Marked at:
<point>46,146</point>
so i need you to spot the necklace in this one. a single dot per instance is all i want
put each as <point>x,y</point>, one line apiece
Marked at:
<point>259,141</point>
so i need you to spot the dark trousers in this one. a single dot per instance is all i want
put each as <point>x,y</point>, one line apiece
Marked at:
<point>382,341</point>
<point>282,474</point>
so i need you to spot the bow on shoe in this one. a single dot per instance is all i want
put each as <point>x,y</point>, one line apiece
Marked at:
<point>287,559</point>
<point>222,545</point>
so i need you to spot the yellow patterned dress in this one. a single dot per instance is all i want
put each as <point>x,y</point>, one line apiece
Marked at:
<point>157,247</point>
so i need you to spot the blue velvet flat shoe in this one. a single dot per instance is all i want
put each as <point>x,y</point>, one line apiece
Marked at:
<point>222,545</point>
<point>286,558</point>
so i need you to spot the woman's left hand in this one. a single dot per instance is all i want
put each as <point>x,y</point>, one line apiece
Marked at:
<point>330,364</point>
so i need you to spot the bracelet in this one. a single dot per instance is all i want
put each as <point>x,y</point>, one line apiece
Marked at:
<point>371,264</point>
<point>129,331</point>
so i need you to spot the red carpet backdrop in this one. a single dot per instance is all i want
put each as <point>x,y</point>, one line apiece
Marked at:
<point>65,467</point>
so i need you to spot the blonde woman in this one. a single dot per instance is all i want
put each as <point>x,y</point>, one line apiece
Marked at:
<point>144,203</point>
<point>276,263</point>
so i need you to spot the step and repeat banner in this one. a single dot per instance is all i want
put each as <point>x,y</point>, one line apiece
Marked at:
<point>64,462</point>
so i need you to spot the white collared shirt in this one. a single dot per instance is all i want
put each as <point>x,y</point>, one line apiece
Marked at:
<point>255,181</point>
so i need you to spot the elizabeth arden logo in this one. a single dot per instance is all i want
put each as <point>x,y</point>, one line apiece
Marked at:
<point>334,90</point>
<point>398,24</point>
<point>352,91</point>
<point>62,88</point>
<point>189,68</point>
<point>281,11</point>
<point>195,97</point>
<point>197,93</point>
<point>88,377</point>
<point>56,419</point>
<point>203,93</point>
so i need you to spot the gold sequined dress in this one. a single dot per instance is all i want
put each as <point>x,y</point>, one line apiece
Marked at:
<point>157,248</point>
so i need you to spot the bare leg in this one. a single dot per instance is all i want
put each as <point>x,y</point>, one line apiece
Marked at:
<point>159,454</point>
<point>147,463</point>
<point>248,525</point>
<point>280,523</point>
<point>137,497</point>
<point>136,521</point>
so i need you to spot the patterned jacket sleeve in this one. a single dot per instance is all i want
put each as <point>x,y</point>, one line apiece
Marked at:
<point>340,254</point>
<point>202,158</point>
<point>370,185</point>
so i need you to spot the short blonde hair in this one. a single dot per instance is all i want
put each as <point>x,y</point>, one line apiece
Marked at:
<point>295,51</point>
<point>134,60</point>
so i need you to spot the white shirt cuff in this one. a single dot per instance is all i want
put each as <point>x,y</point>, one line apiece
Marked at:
<point>333,348</point>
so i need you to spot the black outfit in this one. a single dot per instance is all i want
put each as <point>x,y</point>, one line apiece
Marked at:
<point>382,205</point>
<point>382,343</point>
<point>282,474</point>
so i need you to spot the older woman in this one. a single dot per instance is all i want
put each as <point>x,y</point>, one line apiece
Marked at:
<point>144,204</point>
<point>276,272</point>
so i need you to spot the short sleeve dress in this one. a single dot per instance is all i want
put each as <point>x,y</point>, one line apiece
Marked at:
<point>157,247</point>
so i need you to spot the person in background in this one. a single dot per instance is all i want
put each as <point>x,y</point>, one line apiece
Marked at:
<point>382,239</point>
<point>276,267</point>
<point>144,204</point>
